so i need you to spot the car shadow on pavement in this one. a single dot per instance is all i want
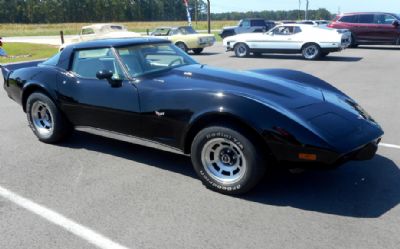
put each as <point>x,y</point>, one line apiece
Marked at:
<point>203,54</point>
<point>379,48</point>
<point>365,189</point>
<point>300,58</point>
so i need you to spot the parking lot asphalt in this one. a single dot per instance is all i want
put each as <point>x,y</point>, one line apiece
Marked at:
<point>139,197</point>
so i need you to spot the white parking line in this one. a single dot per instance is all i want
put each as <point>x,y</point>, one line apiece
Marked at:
<point>393,146</point>
<point>60,220</point>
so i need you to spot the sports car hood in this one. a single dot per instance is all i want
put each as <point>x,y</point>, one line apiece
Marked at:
<point>307,100</point>
<point>270,90</point>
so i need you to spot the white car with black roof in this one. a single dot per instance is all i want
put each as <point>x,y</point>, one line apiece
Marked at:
<point>311,41</point>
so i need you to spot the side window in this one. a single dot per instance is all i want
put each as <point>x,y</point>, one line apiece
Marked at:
<point>366,19</point>
<point>246,24</point>
<point>257,23</point>
<point>88,62</point>
<point>284,30</point>
<point>87,31</point>
<point>384,19</point>
<point>297,30</point>
<point>348,19</point>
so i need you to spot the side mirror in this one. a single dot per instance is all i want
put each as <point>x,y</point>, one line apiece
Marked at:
<point>107,75</point>
<point>396,23</point>
<point>104,74</point>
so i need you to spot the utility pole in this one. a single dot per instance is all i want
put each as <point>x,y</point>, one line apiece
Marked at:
<point>307,4</point>
<point>196,6</point>
<point>209,16</point>
<point>299,14</point>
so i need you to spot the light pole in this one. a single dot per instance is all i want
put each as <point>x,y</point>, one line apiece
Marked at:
<point>209,16</point>
<point>307,4</point>
<point>299,15</point>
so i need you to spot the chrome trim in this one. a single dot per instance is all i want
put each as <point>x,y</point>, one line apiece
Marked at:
<point>129,139</point>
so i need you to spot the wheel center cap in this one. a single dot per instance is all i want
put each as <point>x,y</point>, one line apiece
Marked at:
<point>225,159</point>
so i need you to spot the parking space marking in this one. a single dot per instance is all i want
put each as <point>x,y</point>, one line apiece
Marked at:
<point>393,146</point>
<point>83,232</point>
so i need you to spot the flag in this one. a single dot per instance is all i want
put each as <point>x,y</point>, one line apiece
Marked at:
<point>188,12</point>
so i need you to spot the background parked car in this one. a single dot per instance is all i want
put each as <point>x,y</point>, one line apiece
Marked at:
<point>102,31</point>
<point>372,28</point>
<point>186,38</point>
<point>249,25</point>
<point>320,23</point>
<point>311,41</point>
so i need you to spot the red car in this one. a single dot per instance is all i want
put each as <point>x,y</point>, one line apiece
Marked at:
<point>370,28</point>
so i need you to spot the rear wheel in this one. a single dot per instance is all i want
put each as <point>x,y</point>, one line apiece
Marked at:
<point>182,46</point>
<point>241,50</point>
<point>226,160</point>
<point>311,51</point>
<point>197,50</point>
<point>45,119</point>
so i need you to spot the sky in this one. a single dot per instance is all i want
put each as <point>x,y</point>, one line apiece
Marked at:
<point>218,6</point>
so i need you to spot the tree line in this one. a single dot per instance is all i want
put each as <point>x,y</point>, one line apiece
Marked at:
<point>61,11</point>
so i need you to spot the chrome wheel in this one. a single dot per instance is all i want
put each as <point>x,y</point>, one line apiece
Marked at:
<point>311,52</point>
<point>42,118</point>
<point>223,160</point>
<point>241,50</point>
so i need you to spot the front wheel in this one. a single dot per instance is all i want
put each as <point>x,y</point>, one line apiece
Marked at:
<point>45,119</point>
<point>242,50</point>
<point>197,50</point>
<point>353,41</point>
<point>226,160</point>
<point>324,54</point>
<point>311,51</point>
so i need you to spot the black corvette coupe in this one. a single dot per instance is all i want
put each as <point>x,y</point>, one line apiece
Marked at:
<point>231,123</point>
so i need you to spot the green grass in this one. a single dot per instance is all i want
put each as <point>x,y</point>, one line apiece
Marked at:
<point>22,50</point>
<point>7,30</point>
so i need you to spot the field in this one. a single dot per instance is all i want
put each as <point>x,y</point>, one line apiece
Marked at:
<point>7,30</point>
<point>27,52</point>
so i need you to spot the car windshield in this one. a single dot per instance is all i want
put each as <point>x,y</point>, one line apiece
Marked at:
<point>187,30</point>
<point>398,16</point>
<point>150,58</point>
<point>52,61</point>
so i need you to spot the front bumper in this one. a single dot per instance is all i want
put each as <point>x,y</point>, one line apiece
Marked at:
<point>291,153</point>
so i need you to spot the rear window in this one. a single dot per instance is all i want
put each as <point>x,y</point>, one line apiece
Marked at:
<point>348,19</point>
<point>384,19</point>
<point>366,19</point>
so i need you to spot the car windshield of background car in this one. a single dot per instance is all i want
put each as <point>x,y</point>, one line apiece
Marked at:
<point>187,30</point>
<point>145,59</point>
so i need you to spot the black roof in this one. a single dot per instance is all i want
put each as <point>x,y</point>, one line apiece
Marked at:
<point>118,42</point>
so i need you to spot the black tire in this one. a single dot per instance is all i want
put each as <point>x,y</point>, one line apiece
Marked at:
<point>45,119</point>
<point>240,164</point>
<point>353,43</point>
<point>198,50</point>
<point>311,51</point>
<point>182,46</point>
<point>241,50</point>
<point>324,54</point>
